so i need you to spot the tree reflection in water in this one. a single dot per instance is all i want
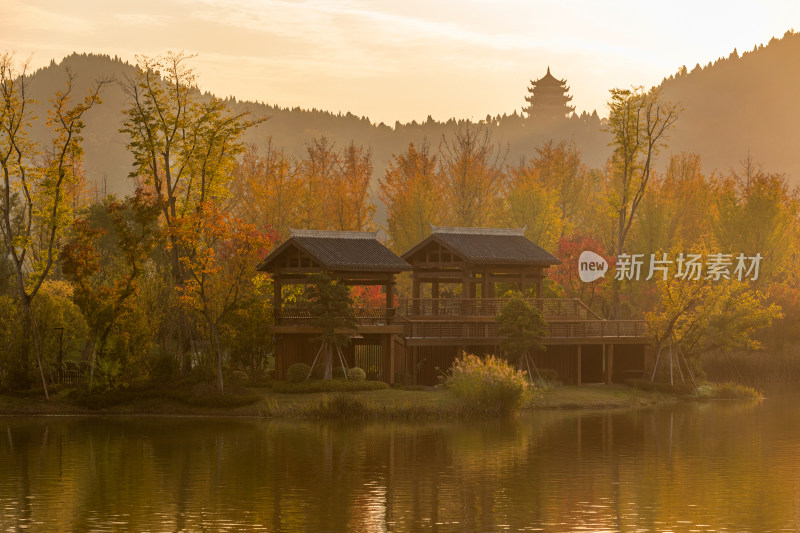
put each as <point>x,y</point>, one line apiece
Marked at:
<point>709,465</point>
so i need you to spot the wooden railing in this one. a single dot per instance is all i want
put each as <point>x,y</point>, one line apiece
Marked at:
<point>475,318</point>
<point>365,316</point>
<point>490,307</point>
<point>559,329</point>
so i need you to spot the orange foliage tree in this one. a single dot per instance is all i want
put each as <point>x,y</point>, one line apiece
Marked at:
<point>268,190</point>
<point>221,255</point>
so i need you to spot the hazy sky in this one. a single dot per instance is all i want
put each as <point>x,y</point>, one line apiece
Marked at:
<point>402,60</point>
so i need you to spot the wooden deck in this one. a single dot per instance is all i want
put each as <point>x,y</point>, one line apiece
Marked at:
<point>426,321</point>
<point>365,316</point>
<point>490,307</point>
<point>481,332</point>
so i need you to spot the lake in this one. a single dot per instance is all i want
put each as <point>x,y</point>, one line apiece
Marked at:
<point>723,465</point>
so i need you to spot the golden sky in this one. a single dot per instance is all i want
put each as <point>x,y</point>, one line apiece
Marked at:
<point>402,60</point>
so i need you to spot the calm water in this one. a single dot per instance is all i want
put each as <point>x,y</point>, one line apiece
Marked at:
<point>696,467</point>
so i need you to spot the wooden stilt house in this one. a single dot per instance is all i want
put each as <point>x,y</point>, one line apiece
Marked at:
<point>459,278</point>
<point>352,258</point>
<point>459,274</point>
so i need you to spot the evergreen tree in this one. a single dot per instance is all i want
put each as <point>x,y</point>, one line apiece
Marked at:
<point>332,309</point>
<point>522,327</point>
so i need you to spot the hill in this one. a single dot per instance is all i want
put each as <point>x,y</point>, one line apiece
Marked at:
<point>107,162</point>
<point>739,105</point>
<point>736,105</point>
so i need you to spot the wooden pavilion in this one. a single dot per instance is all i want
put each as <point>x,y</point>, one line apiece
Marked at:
<point>457,275</point>
<point>581,345</point>
<point>352,258</point>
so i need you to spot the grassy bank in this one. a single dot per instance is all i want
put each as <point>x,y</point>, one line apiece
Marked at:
<point>261,402</point>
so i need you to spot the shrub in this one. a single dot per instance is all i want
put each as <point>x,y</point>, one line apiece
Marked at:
<point>164,368</point>
<point>488,387</point>
<point>728,391</point>
<point>681,389</point>
<point>297,373</point>
<point>356,374</point>
<point>342,406</point>
<point>336,385</point>
<point>238,378</point>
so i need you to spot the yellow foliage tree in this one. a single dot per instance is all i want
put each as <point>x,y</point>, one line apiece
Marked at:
<point>411,193</point>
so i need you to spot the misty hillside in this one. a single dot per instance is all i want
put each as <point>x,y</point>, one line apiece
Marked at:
<point>729,107</point>
<point>740,104</point>
<point>107,160</point>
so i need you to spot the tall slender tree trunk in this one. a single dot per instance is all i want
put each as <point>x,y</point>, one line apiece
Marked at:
<point>29,325</point>
<point>212,326</point>
<point>329,362</point>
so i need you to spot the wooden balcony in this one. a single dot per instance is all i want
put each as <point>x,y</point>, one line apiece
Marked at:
<point>490,307</point>
<point>426,321</point>
<point>474,331</point>
<point>365,316</point>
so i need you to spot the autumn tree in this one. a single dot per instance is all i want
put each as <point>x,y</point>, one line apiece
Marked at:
<point>411,192</point>
<point>638,122</point>
<point>471,172</point>
<point>757,212</point>
<point>698,316</point>
<point>560,170</point>
<point>534,206</point>
<point>319,170</point>
<point>679,209</point>
<point>566,274</point>
<point>104,284</point>
<point>221,255</point>
<point>34,204</point>
<point>267,190</point>
<point>184,148</point>
<point>335,187</point>
<point>349,204</point>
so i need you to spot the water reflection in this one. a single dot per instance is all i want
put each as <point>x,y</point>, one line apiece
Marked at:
<point>720,465</point>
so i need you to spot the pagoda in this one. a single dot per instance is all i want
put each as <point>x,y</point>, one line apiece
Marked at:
<point>548,100</point>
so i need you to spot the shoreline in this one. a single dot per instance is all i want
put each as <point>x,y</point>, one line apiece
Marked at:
<point>383,404</point>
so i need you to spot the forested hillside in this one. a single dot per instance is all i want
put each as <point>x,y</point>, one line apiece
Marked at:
<point>740,104</point>
<point>291,130</point>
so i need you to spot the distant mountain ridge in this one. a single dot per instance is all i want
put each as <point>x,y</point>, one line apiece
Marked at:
<point>742,104</point>
<point>738,104</point>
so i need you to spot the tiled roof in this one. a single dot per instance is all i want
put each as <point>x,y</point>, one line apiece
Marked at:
<point>489,245</point>
<point>342,250</point>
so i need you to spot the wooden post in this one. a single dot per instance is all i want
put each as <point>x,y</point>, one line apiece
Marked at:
<point>435,296</point>
<point>415,293</point>
<point>391,360</point>
<point>609,363</point>
<point>386,358</point>
<point>578,358</point>
<point>390,294</point>
<point>414,364</point>
<point>277,297</point>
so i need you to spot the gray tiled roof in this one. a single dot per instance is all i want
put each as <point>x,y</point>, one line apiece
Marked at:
<point>343,250</point>
<point>489,245</point>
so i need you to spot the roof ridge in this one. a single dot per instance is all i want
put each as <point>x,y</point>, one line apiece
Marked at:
<point>478,231</point>
<point>332,234</point>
